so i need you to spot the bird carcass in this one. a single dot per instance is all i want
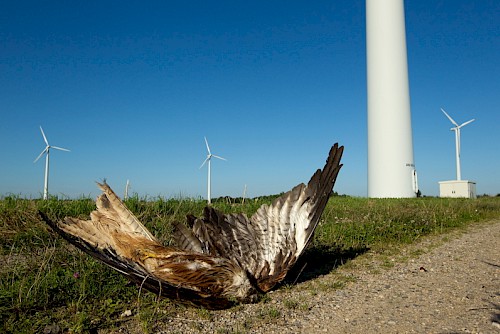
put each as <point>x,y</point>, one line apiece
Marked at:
<point>220,259</point>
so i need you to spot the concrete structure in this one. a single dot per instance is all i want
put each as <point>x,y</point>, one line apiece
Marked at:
<point>457,188</point>
<point>391,169</point>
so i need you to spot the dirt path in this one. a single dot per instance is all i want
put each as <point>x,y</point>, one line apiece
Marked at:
<point>444,284</point>
<point>454,288</point>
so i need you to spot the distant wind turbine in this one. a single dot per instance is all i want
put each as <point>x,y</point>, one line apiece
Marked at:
<point>244,194</point>
<point>127,186</point>
<point>207,160</point>
<point>456,128</point>
<point>47,152</point>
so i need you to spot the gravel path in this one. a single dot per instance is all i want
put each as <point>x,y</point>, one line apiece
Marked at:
<point>454,288</point>
<point>444,284</point>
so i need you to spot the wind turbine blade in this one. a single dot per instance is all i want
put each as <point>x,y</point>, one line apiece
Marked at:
<point>464,124</point>
<point>216,156</point>
<point>206,142</point>
<point>44,138</point>
<point>45,150</point>
<point>449,117</point>
<point>203,164</point>
<point>60,148</point>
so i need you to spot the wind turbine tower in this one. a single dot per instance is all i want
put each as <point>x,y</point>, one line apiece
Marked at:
<point>127,186</point>
<point>46,151</point>
<point>391,169</point>
<point>207,161</point>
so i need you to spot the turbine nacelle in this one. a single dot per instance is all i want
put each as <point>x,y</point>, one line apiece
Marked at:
<point>455,123</point>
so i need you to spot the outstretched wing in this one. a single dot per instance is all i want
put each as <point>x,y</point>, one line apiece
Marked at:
<point>269,243</point>
<point>114,236</point>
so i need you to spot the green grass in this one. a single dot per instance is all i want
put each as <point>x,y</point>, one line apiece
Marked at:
<point>44,281</point>
<point>361,222</point>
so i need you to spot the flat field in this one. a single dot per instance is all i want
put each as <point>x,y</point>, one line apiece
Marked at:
<point>47,285</point>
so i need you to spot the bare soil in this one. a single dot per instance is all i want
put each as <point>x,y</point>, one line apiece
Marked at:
<point>443,284</point>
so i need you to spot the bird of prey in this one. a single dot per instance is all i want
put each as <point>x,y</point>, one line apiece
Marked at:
<point>221,259</point>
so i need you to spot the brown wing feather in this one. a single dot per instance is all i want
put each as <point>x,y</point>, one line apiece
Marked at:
<point>268,244</point>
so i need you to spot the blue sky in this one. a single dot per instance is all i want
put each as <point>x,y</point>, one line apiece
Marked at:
<point>132,87</point>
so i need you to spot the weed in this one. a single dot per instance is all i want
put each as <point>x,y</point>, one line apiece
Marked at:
<point>265,298</point>
<point>291,304</point>
<point>204,314</point>
<point>269,313</point>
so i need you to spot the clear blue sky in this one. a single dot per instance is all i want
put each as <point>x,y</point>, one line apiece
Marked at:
<point>131,88</point>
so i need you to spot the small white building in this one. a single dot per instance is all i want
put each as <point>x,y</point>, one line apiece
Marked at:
<point>457,188</point>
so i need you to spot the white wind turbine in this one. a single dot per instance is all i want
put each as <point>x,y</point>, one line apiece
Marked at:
<point>456,128</point>
<point>209,157</point>
<point>127,186</point>
<point>47,151</point>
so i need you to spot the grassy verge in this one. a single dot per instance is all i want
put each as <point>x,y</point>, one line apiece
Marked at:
<point>46,282</point>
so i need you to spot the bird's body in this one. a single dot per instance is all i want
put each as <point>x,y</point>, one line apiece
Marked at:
<point>222,258</point>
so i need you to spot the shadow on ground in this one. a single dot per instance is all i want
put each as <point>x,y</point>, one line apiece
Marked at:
<point>495,315</point>
<point>320,260</point>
